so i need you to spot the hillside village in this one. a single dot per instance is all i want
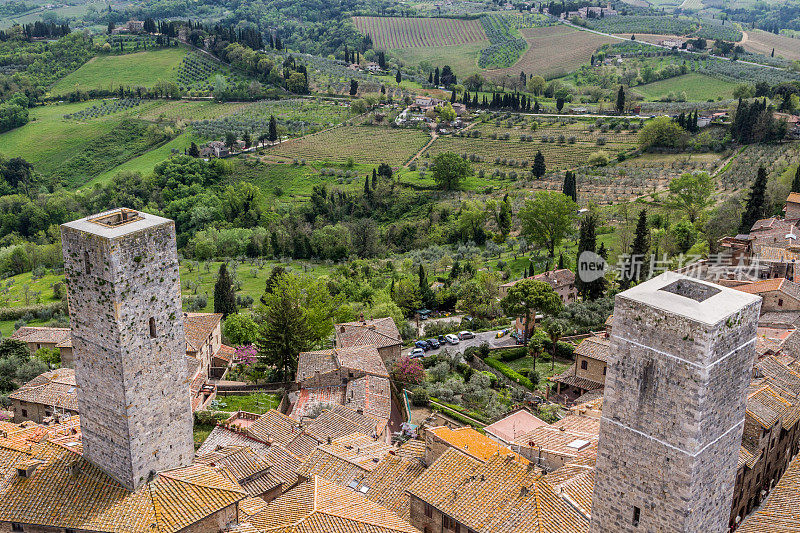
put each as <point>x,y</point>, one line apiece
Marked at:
<point>337,454</point>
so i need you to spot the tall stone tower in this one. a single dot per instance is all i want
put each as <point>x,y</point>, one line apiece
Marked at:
<point>674,407</point>
<point>127,332</point>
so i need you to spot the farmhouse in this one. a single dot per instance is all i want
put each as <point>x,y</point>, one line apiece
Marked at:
<point>35,338</point>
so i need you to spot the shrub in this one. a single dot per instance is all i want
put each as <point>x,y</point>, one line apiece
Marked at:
<point>512,354</point>
<point>483,350</point>
<point>420,397</point>
<point>533,375</point>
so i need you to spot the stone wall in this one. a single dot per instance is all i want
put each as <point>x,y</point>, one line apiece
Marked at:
<point>595,369</point>
<point>129,345</point>
<point>672,419</point>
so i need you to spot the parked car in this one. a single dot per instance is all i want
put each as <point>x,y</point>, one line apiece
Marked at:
<point>416,353</point>
<point>451,339</point>
<point>422,345</point>
<point>442,339</point>
<point>433,344</point>
<point>466,335</point>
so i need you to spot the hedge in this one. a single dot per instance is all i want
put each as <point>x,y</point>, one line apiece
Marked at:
<point>512,354</point>
<point>510,373</point>
<point>480,417</point>
<point>456,415</point>
<point>15,313</point>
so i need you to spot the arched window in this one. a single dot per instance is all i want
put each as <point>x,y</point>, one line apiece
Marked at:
<point>152,327</point>
<point>86,263</point>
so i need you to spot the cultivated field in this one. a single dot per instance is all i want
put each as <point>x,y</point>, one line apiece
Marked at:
<point>138,69</point>
<point>762,42</point>
<point>364,144</point>
<point>395,32</point>
<point>553,51</point>
<point>461,58</point>
<point>186,110</point>
<point>698,88</point>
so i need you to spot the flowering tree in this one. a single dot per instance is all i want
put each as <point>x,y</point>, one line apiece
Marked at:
<point>245,355</point>
<point>408,371</point>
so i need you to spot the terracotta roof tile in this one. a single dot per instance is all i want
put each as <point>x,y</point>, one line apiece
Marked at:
<point>319,506</point>
<point>597,347</point>
<point>569,377</point>
<point>55,388</point>
<point>199,327</point>
<point>473,443</point>
<point>42,335</point>
<point>252,472</point>
<point>381,332</point>
<point>370,395</point>
<point>274,426</point>
<point>225,353</point>
<point>66,491</point>
<point>780,512</point>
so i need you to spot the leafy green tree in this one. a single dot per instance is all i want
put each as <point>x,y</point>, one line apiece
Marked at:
<point>755,207</point>
<point>504,217</point>
<point>548,218</point>
<point>528,297</point>
<point>240,329</point>
<point>224,295</point>
<point>230,140</point>
<point>49,356</point>
<point>555,330</point>
<point>450,170</point>
<point>661,132</point>
<point>407,296</point>
<point>536,85</point>
<point>691,193</point>
<point>539,168</point>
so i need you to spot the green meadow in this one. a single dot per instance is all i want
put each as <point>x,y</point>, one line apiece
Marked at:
<point>698,88</point>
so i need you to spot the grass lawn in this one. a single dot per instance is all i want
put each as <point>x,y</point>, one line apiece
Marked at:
<point>258,403</point>
<point>40,291</point>
<point>201,433</point>
<point>524,365</point>
<point>698,88</point>
<point>48,139</point>
<point>252,278</point>
<point>137,69</point>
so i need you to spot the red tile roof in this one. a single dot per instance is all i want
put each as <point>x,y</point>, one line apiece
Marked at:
<point>41,334</point>
<point>381,332</point>
<point>199,327</point>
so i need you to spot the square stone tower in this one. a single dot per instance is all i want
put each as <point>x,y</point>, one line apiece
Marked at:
<point>122,274</point>
<point>674,407</point>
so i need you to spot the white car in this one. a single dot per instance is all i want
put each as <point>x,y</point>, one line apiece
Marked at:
<point>451,339</point>
<point>466,335</point>
<point>416,353</point>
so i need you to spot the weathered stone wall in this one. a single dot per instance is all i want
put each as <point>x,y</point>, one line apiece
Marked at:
<point>595,369</point>
<point>672,420</point>
<point>36,412</point>
<point>134,403</point>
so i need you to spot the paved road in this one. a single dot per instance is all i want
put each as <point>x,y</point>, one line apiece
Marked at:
<point>487,336</point>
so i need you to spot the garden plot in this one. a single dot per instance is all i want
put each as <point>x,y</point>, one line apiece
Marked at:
<point>395,32</point>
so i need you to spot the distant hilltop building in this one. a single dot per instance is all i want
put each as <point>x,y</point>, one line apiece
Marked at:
<point>121,267</point>
<point>674,406</point>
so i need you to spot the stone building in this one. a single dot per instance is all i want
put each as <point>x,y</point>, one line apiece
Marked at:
<point>41,337</point>
<point>563,283</point>
<point>588,373</point>
<point>121,267</point>
<point>674,406</point>
<point>46,397</point>
<point>380,332</point>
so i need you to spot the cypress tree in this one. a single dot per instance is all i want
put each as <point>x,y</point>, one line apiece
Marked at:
<point>796,181</point>
<point>374,179</point>
<point>398,78</point>
<point>754,209</point>
<point>224,295</point>
<point>570,186</point>
<point>621,100</point>
<point>539,168</point>
<point>638,263</point>
<point>272,136</point>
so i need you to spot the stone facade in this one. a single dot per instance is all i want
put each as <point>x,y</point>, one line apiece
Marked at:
<point>674,406</point>
<point>128,339</point>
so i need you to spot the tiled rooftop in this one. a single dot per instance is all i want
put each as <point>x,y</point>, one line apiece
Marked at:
<point>42,335</point>
<point>381,332</point>
<point>54,388</point>
<point>199,327</point>
<point>474,443</point>
<point>319,506</point>
<point>781,512</point>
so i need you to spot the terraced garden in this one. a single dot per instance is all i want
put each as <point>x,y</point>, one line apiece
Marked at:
<point>362,144</point>
<point>395,32</point>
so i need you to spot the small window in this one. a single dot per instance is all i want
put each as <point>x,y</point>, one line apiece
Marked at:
<point>780,302</point>
<point>68,530</point>
<point>25,413</point>
<point>428,511</point>
<point>584,365</point>
<point>604,370</point>
<point>636,513</point>
<point>15,526</point>
<point>86,263</point>
<point>152,327</point>
<point>47,413</point>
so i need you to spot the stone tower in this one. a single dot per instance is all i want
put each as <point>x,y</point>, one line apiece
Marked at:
<point>674,407</point>
<point>127,332</point>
